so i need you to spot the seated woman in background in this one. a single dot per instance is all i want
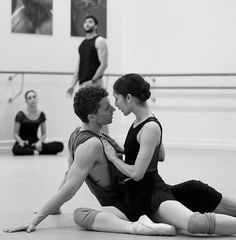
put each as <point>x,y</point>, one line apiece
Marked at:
<point>26,128</point>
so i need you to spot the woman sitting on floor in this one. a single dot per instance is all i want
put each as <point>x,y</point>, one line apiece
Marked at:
<point>26,128</point>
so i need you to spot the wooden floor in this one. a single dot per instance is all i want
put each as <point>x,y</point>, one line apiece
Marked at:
<point>27,182</point>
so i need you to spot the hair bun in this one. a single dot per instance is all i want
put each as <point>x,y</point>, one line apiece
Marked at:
<point>145,93</point>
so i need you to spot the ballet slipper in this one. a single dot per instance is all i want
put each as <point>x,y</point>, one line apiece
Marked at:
<point>158,228</point>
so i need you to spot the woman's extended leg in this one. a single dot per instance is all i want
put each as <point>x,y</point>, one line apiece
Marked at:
<point>226,206</point>
<point>200,197</point>
<point>174,213</point>
<point>197,196</point>
<point>95,220</point>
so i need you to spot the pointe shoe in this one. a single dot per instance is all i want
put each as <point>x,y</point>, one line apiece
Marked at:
<point>158,228</point>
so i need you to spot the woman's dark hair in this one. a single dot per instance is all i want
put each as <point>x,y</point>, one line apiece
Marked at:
<point>86,101</point>
<point>133,84</point>
<point>27,92</point>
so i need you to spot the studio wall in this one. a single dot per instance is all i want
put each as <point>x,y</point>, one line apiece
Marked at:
<point>153,36</point>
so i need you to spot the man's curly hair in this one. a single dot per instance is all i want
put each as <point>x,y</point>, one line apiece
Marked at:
<point>86,101</point>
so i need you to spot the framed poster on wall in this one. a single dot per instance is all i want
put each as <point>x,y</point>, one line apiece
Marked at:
<point>82,8</point>
<point>32,16</point>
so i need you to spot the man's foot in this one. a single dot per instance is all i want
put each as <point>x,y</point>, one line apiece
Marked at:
<point>36,152</point>
<point>145,226</point>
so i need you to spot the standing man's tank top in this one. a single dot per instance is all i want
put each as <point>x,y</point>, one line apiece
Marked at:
<point>89,61</point>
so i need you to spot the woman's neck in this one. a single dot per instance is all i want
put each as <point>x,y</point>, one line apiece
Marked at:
<point>31,110</point>
<point>142,113</point>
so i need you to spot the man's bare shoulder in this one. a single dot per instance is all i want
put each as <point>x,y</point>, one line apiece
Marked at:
<point>100,38</point>
<point>100,41</point>
<point>95,143</point>
<point>90,150</point>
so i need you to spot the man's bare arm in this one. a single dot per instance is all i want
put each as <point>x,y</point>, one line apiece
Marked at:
<point>102,51</point>
<point>84,160</point>
<point>75,79</point>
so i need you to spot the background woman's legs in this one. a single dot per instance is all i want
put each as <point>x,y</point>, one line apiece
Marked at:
<point>52,148</point>
<point>17,150</point>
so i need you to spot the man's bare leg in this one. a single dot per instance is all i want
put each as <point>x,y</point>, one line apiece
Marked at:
<point>91,219</point>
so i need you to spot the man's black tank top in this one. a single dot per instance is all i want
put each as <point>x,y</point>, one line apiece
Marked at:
<point>89,61</point>
<point>132,146</point>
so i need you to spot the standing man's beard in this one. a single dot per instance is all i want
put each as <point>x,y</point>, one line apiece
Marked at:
<point>90,30</point>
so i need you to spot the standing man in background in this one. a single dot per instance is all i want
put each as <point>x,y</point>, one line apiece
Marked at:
<point>93,57</point>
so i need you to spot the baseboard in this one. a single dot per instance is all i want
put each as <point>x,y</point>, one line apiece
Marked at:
<point>5,146</point>
<point>201,144</point>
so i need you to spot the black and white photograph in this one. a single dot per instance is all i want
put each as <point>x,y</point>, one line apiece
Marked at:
<point>32,16</point>
<point>118,120</point>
